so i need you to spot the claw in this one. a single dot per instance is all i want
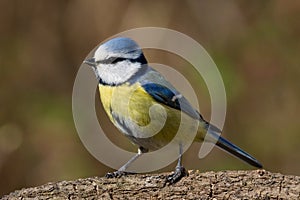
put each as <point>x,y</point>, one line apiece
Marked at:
<point>177,175</point>
<point>118,174</point>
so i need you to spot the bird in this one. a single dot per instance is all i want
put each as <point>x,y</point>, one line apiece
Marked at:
<point>129,88</point>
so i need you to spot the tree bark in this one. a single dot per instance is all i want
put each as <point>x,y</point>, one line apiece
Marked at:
<point>258,184</point>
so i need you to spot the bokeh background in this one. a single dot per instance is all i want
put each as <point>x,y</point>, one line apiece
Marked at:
<point>255,45</point>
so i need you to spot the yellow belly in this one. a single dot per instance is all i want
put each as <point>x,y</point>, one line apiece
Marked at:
<point>144,121</point>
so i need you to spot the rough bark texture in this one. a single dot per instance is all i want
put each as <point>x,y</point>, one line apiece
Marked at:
<point>258,184</point>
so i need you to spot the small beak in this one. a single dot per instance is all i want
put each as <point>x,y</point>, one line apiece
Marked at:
<point>91,62</point>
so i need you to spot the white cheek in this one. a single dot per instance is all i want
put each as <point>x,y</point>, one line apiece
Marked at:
<point>117,73</point>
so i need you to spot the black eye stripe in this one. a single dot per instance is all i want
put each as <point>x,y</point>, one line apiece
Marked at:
<point>112,60</point>
<point>115,60</point>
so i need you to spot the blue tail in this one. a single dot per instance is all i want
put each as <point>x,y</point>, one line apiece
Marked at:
<point>224,144</point>
<point>236,151</point>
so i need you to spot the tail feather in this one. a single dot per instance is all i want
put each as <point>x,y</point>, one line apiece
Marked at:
<point>238,152</point>
<point>235,150</point>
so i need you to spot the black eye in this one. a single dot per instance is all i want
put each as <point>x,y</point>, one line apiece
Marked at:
<point>111,60</point>
<point>115,60</point>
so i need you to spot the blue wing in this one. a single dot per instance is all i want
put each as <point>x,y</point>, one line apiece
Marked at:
<point>171,98</point>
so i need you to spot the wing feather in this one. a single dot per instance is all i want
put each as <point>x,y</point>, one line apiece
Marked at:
<point>171,98</point>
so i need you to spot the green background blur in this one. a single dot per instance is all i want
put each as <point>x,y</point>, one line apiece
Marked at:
<point>256,46</point>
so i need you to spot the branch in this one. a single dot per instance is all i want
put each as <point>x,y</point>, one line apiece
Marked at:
<point>259,184</point>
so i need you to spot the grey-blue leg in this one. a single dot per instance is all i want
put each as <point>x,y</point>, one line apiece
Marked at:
<point>122,171</point>
<point>180,171</point>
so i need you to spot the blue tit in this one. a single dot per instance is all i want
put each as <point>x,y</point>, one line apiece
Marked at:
<point>129,88</point>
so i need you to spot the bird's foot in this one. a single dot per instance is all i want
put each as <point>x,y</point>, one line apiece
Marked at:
<point>118,174</point>
<point>179,172</point>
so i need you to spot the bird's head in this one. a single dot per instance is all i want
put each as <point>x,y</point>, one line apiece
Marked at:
<point>117,60</point>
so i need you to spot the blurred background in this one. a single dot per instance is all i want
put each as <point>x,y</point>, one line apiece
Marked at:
<point>255,45</point>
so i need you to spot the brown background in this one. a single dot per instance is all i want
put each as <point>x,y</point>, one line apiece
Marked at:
<point>42,44</point>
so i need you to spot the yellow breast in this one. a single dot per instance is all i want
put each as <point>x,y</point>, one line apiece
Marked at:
<point>146,122</point>
<point>127,100</point>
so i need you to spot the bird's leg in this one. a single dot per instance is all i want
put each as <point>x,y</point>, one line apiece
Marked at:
<point>180,171</point>
<point>122,171</point>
